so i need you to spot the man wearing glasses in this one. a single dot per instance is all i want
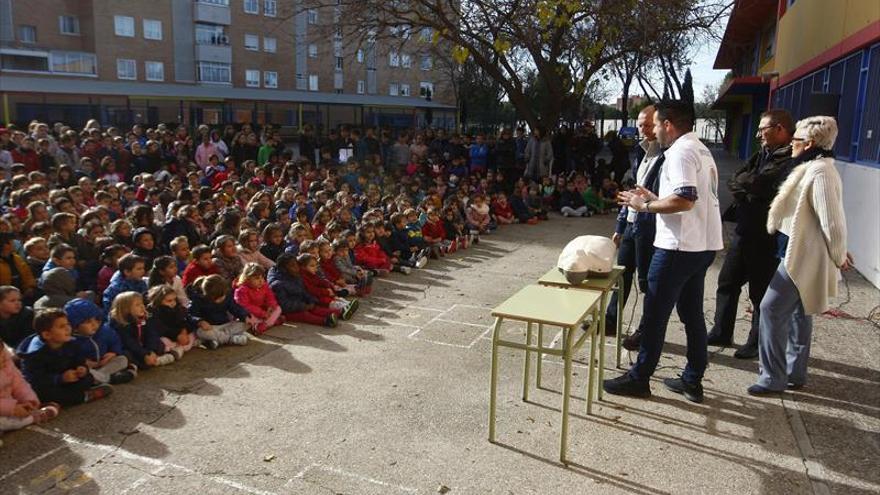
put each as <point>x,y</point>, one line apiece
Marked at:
<point>751,255</point>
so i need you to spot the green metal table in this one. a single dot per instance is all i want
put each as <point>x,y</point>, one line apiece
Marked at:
<point>541,305</point>
<point>613,282</point>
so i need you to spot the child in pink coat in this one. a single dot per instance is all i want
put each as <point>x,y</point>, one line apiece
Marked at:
<point>254,295</point>
<point>19,405</point>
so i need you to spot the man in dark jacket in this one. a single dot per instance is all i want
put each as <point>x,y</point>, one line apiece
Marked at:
<point>751,255</point>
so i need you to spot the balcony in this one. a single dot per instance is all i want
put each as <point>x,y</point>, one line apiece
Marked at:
<point>214,53</point>
<point>212,13</point>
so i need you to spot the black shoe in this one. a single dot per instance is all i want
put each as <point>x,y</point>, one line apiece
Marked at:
<point>610,328</point>
<point>633,341</point>
<point>123,376</point>
<point>795,386</point>
<point>692,392</point>
<point>760,391</point>
<point>715,339</point>
<point>210,344</point>
<point>627,385</point>
<point>746,352</point>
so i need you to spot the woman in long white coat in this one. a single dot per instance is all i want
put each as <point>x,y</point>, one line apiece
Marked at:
<point>808,216</point>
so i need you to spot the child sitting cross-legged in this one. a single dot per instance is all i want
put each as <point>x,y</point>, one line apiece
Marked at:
<point>330,271</point>
<point>353,274</point>
<point>254,295</point>
<point>212,302</point>
<point>321,289</point>
<point>52,365</point>
<point>169,319</point>
<point>297,304</point>
<point>19,405</point>
<point>369,254</point>
<point>98,344</point>
<point>435,234</point>
<point>129,277</point>
<point>142,346</point>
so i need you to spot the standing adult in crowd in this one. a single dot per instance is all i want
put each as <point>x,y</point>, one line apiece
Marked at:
<point>634,234</point>
<point>688,236</point>
<point>808,218</point>
<point>751,256</point>
<point>538,154</point>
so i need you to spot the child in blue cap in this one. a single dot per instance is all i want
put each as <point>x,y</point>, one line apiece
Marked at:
<point>97,343</point>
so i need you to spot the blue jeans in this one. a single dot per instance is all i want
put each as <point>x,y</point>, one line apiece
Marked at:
<point>675,279</point>
<point>626,257</point>
<point>785,334</point>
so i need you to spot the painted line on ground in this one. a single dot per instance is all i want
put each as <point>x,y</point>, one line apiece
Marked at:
<point>31,462</point>
<point>70,439</point>
<point>140,481</point>
<point>335,470</point>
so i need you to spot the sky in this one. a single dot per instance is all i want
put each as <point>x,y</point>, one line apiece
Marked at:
<point>701,70</point>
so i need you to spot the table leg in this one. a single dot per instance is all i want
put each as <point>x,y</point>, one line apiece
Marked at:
<point>494,379</point>
<point>599,390</point>
<point>591,381</point>
<point>538,365</point>
<point>619,320</point>
<point>527,363</point>
<point>566,391</point>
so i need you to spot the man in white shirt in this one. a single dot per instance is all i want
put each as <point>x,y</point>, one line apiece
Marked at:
<point>688,237</point>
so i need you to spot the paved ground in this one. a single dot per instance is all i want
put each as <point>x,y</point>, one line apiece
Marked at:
<point>396,402</point>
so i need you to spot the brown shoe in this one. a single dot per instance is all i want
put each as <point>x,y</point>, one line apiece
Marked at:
<point>633,341</point>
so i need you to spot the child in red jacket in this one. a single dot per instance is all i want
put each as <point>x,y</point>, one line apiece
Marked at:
<point>369,254</point>
<point>434,233</point>
<point>502,210</point>
<point>201,265</point>
<point>331,272</point>
<point>254,295</point>
<point>321,289</point>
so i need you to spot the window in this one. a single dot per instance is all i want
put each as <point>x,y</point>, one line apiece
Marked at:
<point>126,68</point>
<point>337,81</point>
<point>152,29</point>
<point>210,34</point>
<point>251,6</point>
<point>427,62</point>
<point>361,87</point>
<point>214,72</point>
<point>338,63</point>
<point>360,56</point>
<point>123,25</point>
<point>427,34</point>
<point>27,34</point>
<point>313,82</point>
<point>426,89</point>
<point>313,51</point>
<point>393,59</point>
<point>155,71</point>
<point>270,44</point>
<point>393,89</point>
<point>270,8</point>
<point>68,24</point>
<point>252,78</point>
<point>404,90</point>
<point>770,47</point>
<point>73,63</point>
<point>406,61</point>
<point>29,62</point>
<point>337,48</point>
<point>313,16</point>
<point>301,82</point>
<point>251,42</point>
<point>224,3</point>
<point>270,79</point>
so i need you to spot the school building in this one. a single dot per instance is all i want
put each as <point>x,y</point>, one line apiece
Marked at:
<point>214,62</point>
<point>812,57</point>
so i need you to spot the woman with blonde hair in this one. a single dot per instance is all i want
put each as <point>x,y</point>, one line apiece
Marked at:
<point>808,217</point>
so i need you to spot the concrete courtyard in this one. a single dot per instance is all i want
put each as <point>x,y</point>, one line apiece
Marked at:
<point>396,401</point>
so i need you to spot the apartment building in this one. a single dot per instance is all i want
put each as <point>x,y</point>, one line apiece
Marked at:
<point>212,61</point>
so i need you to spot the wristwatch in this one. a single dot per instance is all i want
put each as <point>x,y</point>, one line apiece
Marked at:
<point>647,204</point>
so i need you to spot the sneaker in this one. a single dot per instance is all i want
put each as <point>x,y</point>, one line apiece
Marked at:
<point>476,240</point>
<point>627,385</point>
<point>474,232</point>
<point>633,341</point>
<point>565,214</point>
<point>422,262</point>
<point>133,369</point>
<point>98,392</point>
<point>46,413</point>
<point>331,321</point>
<point>760,391</point>
<point>349,310</point>
<point>692,392</point>
<point>240,339</point>
<point>123,376</point>
<point>177,352</point>
<point>211,345</point>
<point>405,270</point>
<point>165,359</point>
